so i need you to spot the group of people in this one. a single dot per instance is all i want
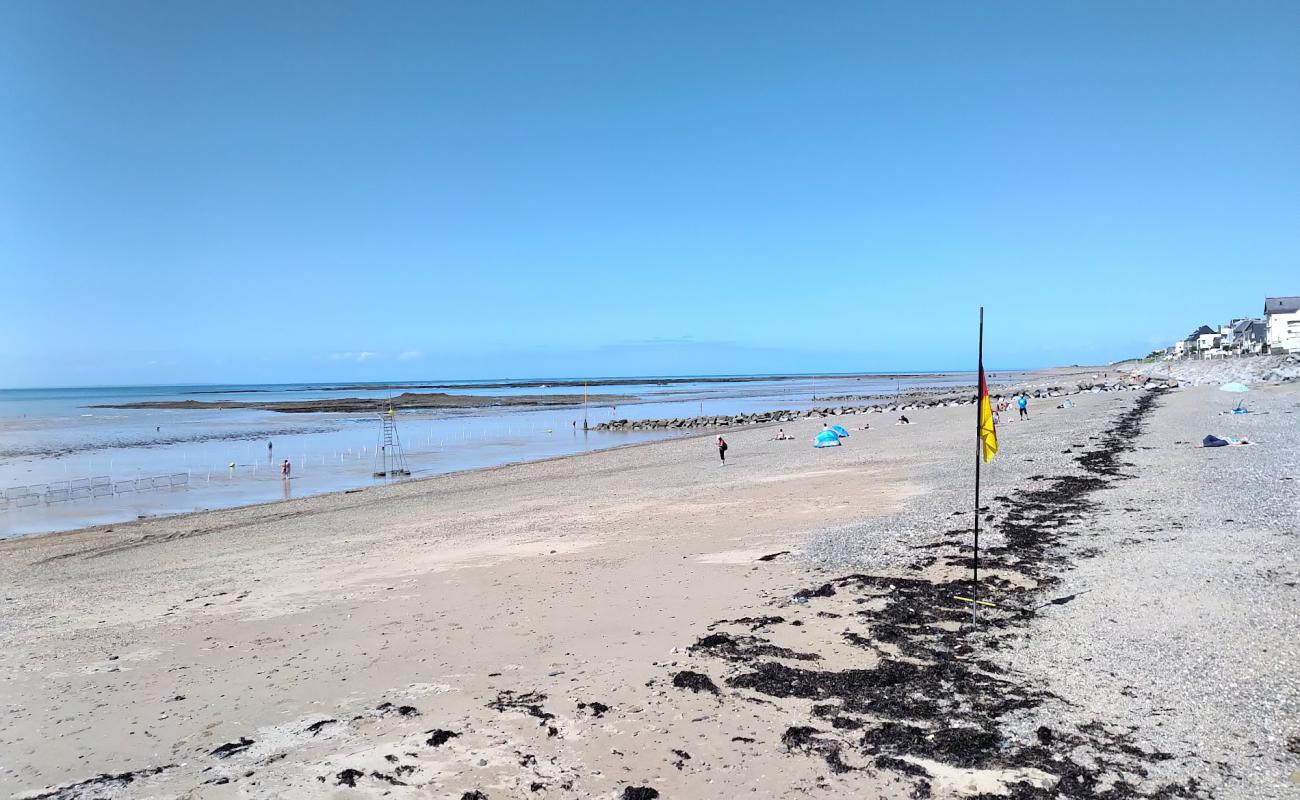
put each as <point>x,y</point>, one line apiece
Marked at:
<point>1022,404</point>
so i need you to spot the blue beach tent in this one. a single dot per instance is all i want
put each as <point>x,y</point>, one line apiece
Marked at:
<point>1236,388</point>
<point>826,439</point>
<point>839,431</point>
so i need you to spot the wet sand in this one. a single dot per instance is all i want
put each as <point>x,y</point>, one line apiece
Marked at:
<point>620,623</point>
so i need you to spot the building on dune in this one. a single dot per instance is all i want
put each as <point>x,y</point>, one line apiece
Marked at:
<point>1248,336</point>
<point>1202,340</point>
<point>1277,332</point>
<point>1282,322</point>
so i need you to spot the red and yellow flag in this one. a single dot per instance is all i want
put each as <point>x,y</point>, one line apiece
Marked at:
<point>988,431</point>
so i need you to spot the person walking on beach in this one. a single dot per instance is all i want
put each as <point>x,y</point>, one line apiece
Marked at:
<point>285,468</point>
<point>722,450</point>
<point>1022,402</point>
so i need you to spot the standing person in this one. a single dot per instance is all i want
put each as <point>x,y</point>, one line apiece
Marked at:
<point>722,450</point>
<point>286,468</point>
<point>1022,402</point>
<point>268,448</point>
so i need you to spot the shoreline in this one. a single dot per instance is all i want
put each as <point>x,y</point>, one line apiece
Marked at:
<point>113,526</point>
<point>917,398</point>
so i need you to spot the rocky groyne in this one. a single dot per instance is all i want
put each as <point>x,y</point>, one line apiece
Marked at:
<point>902,405</point>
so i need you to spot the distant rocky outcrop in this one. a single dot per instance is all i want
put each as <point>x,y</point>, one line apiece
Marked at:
<point>406,400</point>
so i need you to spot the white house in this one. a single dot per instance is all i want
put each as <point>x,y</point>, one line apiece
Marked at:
<point>1282,318</point>
<point>1202,339</point>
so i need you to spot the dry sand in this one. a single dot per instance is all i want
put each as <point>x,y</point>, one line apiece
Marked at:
<point>516,631</point>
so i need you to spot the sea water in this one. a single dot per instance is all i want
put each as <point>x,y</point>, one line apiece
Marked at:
<point>220,457</point>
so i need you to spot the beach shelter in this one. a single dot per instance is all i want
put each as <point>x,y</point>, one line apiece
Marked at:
<point>826,438</point>
<point>1236,388</point>
<point>839,431</point>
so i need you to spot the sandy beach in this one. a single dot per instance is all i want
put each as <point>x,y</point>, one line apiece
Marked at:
<point>646,622</point>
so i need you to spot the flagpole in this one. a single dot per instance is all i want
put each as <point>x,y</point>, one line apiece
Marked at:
<point>979,405</point>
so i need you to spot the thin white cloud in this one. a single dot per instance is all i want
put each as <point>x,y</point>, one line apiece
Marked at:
<point>410,355</point>
<point>361,355</point>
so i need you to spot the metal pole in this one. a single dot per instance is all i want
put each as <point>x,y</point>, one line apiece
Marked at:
<point>975,578</point>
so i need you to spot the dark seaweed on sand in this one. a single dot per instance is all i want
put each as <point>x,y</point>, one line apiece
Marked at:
<point>745,648</point>
<point>386,778</point>
<point>941,701</point>
<point>348,777</point>
<point>93,787</point>
<point>596,708</point>
<point>529,703</point>
<point>806,739</point>
<point>438,737</point>
<point>754,623</point>
<point>231,748</point>
<point>825,590</point>
<point>384,709</point>
<point>695,681</point>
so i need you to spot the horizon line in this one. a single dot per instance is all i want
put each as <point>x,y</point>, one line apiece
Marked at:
<point>349,384</point>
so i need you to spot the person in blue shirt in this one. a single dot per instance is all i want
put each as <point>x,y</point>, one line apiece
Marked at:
<point>1022,402</point>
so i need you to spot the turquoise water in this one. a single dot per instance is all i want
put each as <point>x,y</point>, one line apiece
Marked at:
<point>52,436</point>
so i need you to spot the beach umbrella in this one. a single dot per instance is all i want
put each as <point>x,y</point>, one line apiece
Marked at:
<point>839,431</point>
<point>1235,388</point>
<point>826,439</point>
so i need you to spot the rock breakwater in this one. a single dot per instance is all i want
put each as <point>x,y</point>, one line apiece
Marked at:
<point>902,405</point>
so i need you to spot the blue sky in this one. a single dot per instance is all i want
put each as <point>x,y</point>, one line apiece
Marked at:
<point>288,191</point>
